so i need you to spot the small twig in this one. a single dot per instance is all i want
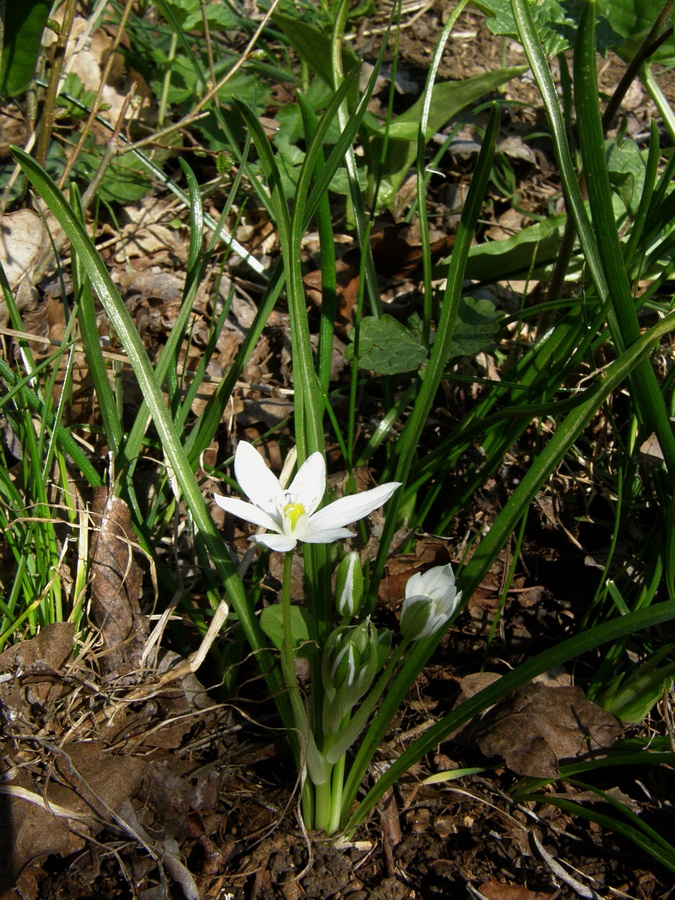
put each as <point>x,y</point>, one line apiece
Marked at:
<point>97,99</point>
<point>650,44</point>
<point>112,149</point>
<point>48,111</point>
<point>110,152</point>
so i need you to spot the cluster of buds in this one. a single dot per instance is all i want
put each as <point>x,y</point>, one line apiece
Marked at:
<point>351,659</point>
<point>353,654</point>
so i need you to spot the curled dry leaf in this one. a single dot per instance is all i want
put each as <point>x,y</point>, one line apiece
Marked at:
<point>538,726</point>
<point>22,237</point>
<point>116,586</point>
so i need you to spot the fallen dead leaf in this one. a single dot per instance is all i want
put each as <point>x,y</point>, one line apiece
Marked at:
<point>75,802</point>
<point>36,662</point>
<point>538,726</point>
<point>116,587</point>
<point>22,238</point>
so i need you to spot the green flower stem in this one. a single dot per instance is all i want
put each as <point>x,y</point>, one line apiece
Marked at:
<point>288,670</point>
<point>337,785</point>
<point>322,812</point>
<point>406,448</point>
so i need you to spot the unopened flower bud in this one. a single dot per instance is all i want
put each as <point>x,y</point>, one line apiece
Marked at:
<point>349,665</point>
<point>349,586</point>
<point>430,601</point>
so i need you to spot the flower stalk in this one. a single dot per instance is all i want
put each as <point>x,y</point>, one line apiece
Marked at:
<point>343,668</point>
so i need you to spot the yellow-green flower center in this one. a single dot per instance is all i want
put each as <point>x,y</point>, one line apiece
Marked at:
<point>293,512</point>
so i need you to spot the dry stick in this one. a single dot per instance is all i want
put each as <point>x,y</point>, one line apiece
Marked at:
<point>649,46</point>
<point>207,41</point>
<point>48,112</point>
<point>111,151</point>
<point>97,99</point>
<point>195,113</point>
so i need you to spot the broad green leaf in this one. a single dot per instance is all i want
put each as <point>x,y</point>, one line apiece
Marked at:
<point>632,20</point>
<point>271,622</point>
<point>23,21</point>
<point>531,250</point>
<point>387,347</point>
<point>186,83</point>
<point>626,167</point>
<point>448,99</point>
<point>556,23</point>
<point>477,325</point>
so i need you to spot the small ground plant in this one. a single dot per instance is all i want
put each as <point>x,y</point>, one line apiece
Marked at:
<point>337,673</point>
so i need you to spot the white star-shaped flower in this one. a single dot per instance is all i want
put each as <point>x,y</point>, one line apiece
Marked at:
<point>292,514</point>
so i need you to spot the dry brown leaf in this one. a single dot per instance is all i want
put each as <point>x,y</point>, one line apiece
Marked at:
<point>37,663</point>
<point>22,237</point>
<point>91,782</point>
<point>116,586</point>
<point>538,726</point>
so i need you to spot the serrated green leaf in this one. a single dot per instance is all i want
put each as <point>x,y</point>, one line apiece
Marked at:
<point>23,24</point>
<point>74,89</point>
<point>188,13</point>
<point>477,324</point>
<point>387,347</point>
<point>556,23</point>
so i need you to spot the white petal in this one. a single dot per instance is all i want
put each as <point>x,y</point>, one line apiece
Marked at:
<point>415,586</point>
<point>350,509</point>
<point>258,482</point>
<point>246,511</point>
<point>309,485</point>
<point>325,535</point>
<point>279,542</point>
<point>439,581</point>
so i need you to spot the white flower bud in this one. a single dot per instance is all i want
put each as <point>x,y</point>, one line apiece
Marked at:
<point>430,601</point>
<point>349,586</point>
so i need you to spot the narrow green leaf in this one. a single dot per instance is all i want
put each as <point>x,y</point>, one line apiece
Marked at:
<point>24,22</point>
<point>183,480</point>
<point>544,662</point>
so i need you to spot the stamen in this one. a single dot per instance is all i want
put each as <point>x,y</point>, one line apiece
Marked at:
<point>293,512</point>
